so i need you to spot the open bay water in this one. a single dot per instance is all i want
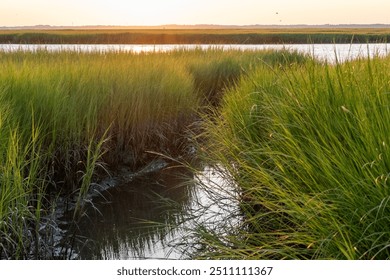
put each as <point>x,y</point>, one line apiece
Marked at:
<point>324,52</point>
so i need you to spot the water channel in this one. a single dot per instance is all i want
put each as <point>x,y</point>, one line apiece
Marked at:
<point>151,216</point>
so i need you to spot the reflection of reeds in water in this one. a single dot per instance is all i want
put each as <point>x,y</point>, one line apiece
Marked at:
<point>214,216</point>
<point>136,220</point>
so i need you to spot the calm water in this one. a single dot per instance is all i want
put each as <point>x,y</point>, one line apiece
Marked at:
<point>151,217</point>
<point>131,221</point>
<point>327,52</point>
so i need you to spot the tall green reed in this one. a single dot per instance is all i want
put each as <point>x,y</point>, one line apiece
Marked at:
<point>307,147</point>
<point>21,188</point>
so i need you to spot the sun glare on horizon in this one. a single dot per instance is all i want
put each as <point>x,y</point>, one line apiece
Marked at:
<point>158,12</point>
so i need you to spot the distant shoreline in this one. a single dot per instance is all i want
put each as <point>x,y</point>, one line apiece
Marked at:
<point>199,26</point>
<point>271,35</point>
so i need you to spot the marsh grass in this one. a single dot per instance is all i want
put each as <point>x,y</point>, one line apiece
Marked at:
<point>78,97</point>
<point>68,114</point>
<point>197,36</point>
<point>307,146</point>
<point>21,188</point>
<point>69,118</point>
<point>214,74</point>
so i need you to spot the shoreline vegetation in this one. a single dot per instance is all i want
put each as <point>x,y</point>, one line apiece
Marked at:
<point>307,146</point>
<point>196,36</point>
<point>304,143</point>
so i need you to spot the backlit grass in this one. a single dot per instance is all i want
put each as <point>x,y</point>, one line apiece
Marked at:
<point>197,36</point>
<point>307,147</point>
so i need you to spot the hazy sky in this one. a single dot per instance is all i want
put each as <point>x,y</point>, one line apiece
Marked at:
<point>156,12</point>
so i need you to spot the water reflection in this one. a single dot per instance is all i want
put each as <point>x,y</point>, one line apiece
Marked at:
<point>136,220</point>
<point>324,52</point>
<point>157,216</point>
<point>214,211</point>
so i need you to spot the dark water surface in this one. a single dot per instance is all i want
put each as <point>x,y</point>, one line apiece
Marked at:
<point>147,218</point>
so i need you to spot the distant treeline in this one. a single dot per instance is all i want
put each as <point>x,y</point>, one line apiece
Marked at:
<point>288,36</point>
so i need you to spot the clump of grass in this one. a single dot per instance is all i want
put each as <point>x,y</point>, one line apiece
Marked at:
<point>143,101</point>
<point>307,146</point>
<point>211,77</point>
<point>220,71</point>
<point>21,188</point>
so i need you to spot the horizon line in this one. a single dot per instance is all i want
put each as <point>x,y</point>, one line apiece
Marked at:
<point>206,26</point>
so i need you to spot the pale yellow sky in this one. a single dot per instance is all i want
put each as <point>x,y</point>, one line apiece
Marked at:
<point>157,12</point>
